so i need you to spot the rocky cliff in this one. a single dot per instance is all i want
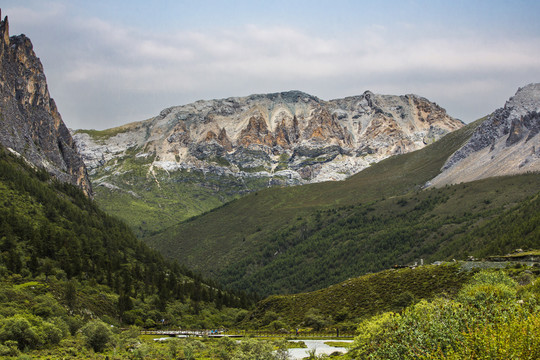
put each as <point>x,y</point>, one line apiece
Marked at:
<point>218,149</point>
<point>506,143</point>
<point>30,122</point>
<point>289,137</point>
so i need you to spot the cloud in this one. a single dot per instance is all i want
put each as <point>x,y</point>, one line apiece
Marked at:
<point>106,74</point>
<point>27,16</point>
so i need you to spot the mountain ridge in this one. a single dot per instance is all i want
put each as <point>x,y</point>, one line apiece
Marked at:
<point>273,123</point>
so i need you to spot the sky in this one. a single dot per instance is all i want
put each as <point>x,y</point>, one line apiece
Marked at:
<point>110,62</point>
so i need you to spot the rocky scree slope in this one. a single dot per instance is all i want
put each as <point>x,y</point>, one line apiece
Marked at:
<point>248,143</point>
<point>30,123</point>
<point>506,143</point>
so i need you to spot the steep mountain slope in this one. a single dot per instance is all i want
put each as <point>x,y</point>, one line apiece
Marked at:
<point>237,231</point>
<point>30,123</point>
<point>515,227</point>
<point>52,237</point>
<point>507,143</point>
<point>192,158</point>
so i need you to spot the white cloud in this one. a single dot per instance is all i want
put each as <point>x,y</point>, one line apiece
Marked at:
<point>28,16</point>
<point>119,74</point>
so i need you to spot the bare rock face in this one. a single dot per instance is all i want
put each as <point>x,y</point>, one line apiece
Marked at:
<point>506,143</point>
<point>289,137</point>
<point>30,123</point>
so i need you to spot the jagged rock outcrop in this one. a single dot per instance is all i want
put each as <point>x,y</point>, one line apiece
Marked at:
<point>289,137</point>
<point>30,123</point>
<point>506,143</point>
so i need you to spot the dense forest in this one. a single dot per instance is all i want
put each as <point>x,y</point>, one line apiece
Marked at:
<point>64,261</point>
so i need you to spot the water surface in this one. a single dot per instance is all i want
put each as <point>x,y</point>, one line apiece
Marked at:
<point>319,346</point>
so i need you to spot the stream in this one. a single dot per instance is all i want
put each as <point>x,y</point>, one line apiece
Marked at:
<point>319,346</point>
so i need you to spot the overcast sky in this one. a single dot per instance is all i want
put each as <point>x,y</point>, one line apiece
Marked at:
<point>112,62</point>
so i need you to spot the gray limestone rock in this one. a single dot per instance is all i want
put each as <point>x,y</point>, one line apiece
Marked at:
<point>321,140</point>
<point>502,145</point>
<point>30,122</point>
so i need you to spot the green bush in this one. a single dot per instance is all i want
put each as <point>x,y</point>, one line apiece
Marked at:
<point>250,349</point>
<point>316,320</point>
<point>488,287</point>
<point>51,333</point>
<point>487,321</point>
<point>74,323</point>
<point>9,348</point>
<point>96,335</point>
<point>518,338</point>
<point>372,331</point>
<point>18,328</point>
<point>47,306</point>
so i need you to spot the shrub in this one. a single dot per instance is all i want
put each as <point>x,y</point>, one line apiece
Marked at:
<point>96,335</point>
<point>518,338</point>
<point>74,323</point>
<point>251,349</point>
<point>9,348</point>
<point>488,287</point>
<point>47,306</point>
<point>488,322</point>
<point>51,333</point>
<point>189,352</point>
<point>315,319</point>
<point>277,325</point>
<point>372,331</point>
<point>19,329</point>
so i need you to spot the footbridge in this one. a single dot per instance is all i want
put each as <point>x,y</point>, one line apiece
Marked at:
<point>190,333</point>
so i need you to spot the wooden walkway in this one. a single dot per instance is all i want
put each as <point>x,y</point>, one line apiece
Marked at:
<point>195,333</point>
<point>240,334</point>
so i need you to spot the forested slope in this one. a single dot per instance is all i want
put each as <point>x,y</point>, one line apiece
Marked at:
<point>64,261</point>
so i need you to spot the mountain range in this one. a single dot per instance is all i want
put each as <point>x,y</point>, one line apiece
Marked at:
<point>192,158</point>
<point>302,238</point>
<point>334,188</point>
<point>303,201</point>
<point>283,240</point>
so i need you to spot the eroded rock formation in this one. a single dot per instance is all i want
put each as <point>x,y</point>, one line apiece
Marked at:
<point>289,137</point>
<point>30,123</point>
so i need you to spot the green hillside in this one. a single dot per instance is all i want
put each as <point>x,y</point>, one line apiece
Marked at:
<point>455,310</point>
<point>63,261</point>
<point>149,204</point>
<point>494,316</point>
<point>331,245</point>
<point>305,238</point>
<point>361,297</point>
